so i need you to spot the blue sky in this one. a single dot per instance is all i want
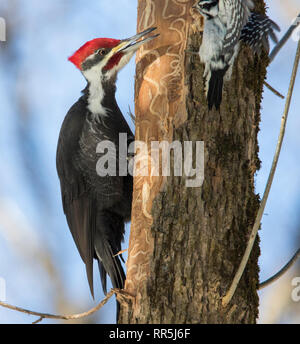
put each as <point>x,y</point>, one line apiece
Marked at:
<point>46,84</point>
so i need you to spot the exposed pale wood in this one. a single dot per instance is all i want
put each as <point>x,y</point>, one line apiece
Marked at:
<point>160,105</point>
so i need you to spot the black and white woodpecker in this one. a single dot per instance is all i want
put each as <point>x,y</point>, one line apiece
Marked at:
<point>227,22</point>
<point>97,208</point>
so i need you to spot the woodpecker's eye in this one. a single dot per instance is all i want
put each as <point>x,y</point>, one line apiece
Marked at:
<point>101,52</point>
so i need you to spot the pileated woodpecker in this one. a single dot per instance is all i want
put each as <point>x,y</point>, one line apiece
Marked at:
<point>97,207</point>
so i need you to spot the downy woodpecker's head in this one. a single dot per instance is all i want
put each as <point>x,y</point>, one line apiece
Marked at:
<point>208,8</point>
<point>101,58</point>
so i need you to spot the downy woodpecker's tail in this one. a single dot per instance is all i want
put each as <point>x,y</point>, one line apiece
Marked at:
<point>215,88</point>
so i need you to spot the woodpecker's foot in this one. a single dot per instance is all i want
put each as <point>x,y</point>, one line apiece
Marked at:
<point>120,253</point>
<point>123,296</point>
<point>130,157</point>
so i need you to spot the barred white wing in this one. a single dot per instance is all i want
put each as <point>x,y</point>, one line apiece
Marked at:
<point>257,31</point>
<point>235,14</point>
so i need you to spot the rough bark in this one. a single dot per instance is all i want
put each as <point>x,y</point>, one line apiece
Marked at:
<point>186,243</point>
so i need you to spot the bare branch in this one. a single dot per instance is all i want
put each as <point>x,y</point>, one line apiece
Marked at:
<point>61,317</point>
<point>40,319</point>
<point>272,89</point>
<point>281,272</point>
<point>227,298</point>
<point>284,39</point>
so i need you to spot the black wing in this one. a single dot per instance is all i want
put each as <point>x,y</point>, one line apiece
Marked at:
<point>87,198</point>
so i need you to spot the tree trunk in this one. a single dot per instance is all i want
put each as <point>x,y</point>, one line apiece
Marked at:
<point>186,243</point>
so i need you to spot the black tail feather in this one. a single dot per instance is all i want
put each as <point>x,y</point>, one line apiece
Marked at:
<point>107,243</point>
<point>117,281</point>
<point>102,276</point>
<point>215,88</point>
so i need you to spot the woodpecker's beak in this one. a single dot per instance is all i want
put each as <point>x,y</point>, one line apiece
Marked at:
<point>133,43</point>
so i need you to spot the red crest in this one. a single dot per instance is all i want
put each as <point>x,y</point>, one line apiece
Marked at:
<point>90,47</point>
